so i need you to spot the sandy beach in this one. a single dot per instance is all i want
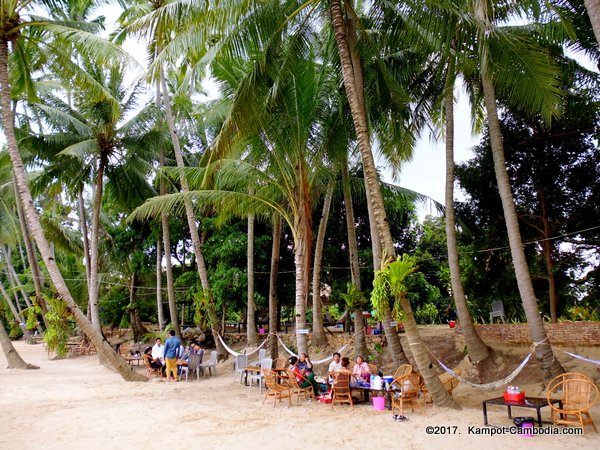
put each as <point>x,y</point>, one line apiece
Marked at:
<point>76,403</point>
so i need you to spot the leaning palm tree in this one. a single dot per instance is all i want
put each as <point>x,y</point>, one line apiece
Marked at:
<point>15,25</point>
<point>10,353</point>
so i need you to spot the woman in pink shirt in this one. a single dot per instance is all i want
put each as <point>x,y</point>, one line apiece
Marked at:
<point>361,369</point>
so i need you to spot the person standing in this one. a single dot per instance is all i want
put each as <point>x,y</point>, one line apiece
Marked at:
<point>171,352</point>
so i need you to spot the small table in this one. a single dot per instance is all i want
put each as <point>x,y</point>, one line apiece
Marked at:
<point>529,402</point>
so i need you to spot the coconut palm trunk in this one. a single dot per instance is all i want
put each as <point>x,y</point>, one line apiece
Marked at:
<point>36,273</point>
<point>166,235</point>
<point>93,285</point>
<point>84,233</point>
<point>12,308</point>
<point>319,337</point>
<point>550,365</point>
<point>13,277</point>
<point>478,351</point>
<point>251,334</point>
<point>548,249</point>
<point>134,313</point>
<point>191,219</point>
<point>377,216</point>
<point>360,342</point>
<point>593,10</point>
<point>159,301</point>
<point>10,353</point>
<point>33,222</point>
<point>273,322</point>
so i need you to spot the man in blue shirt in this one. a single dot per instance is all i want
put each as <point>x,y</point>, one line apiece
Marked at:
<point>171,349</point>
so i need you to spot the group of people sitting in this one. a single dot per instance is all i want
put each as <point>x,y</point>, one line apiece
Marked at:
<point>172,355</point>
<point>303,369</point>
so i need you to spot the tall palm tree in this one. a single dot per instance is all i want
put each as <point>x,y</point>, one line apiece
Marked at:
<point>593,9</point>
<point>14,28</point>
<point>484,11</point>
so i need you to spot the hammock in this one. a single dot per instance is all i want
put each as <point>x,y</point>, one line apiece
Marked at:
<point>492,385</point>
<point>234,353</point>
<point>593,361</point>
<point>324,360</point>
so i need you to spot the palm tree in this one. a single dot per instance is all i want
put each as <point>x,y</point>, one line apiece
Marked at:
<point>10,353</point>
<point>14,27</point>
<point>593,9</point>
<point>483,11</point>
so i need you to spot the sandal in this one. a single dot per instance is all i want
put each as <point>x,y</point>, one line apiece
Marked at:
<point>401,419</point>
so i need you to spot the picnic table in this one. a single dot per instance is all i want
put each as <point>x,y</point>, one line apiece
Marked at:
<point>536,403</point>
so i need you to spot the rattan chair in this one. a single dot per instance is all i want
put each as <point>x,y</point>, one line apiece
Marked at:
<point>275,389</point>
<point>280,363</point>
<point>295,385</point>
<point>373,369</point>
<point>578,396</point>
<point>404,369</point>
<point>340,390</point>
<point>447,380</point>
<point>567,376</point>
<point>407,392</point>
<point>150,371</point>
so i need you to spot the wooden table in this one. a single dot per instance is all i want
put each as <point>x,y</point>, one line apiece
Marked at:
<point>365,390</point>
<point>536,403</point>
<point>132,359</point>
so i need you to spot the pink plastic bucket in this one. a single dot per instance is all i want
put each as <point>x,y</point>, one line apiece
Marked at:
<point>379,403</point>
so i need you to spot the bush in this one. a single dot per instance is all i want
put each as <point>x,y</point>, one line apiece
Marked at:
<point>427,314</point>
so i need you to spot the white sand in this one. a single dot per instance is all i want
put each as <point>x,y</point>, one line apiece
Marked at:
<point>78,404</point>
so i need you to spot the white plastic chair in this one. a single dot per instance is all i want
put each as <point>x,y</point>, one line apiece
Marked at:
<point>193,366</point>
<point>259,377</point>
<point>210,364</point>
<point>497,311</point>
<point>239,365</point>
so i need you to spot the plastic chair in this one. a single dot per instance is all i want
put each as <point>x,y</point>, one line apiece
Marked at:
<point>240,363</point>
<point>579,395</point>
<point>193,366</point>
<point>266,363</point>
<point>497,311</point>
<point>210,364</point>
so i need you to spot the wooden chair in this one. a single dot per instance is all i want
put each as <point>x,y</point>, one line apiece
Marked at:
<point>149,369</point>
<point>294,384</point>
<point>578,396</point>
<point>447,380</point>
<point>409,387</point>
<point>340,391</point>
<point>373,369</point>
<point>567,376</point>
<point>404,369</point>
<point>280,363</point>
<point>275,389</point>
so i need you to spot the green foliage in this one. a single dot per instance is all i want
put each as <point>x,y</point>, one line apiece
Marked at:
<point>15,331</point>
<point>427,314</point>
<point>31,314</point>
<point>151,336</point>
<point>390,284</point>
<point>59,328</point>
<point>353,297</point>
<point>577,312</point>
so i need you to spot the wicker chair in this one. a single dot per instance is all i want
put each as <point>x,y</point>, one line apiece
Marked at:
<point>280,363</point>
<point>578,396</point>
<point>275,389</point>
<point>373,369</point>
<point>447,380</point>
<point>404,369</point>
<point>149,369</point>
<point>408,393</point>
<point>567,376</point>
<point>340,391</point>
<point>294,384</point>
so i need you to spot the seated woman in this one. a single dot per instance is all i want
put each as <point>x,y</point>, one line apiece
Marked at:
<point>305,376</point>
<point>361,369</point>
<point>154,363</point>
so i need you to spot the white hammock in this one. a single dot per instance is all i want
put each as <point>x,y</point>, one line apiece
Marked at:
<point>492,385</point>
<point>593,361</point>
<point>324,360</point>
<point>234,353</point>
